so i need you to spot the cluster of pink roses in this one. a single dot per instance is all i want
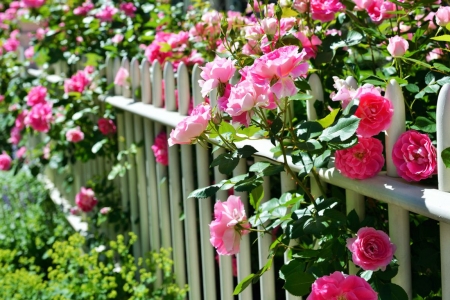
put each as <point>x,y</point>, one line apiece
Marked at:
<point>107,12</point>
<point>160,149</point>
<point>78,82</point>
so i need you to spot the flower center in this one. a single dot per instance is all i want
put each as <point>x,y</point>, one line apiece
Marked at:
<point>359,155</point>
<point>341,297</point>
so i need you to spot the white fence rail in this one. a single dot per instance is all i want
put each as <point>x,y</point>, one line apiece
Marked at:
<point>158,195</point>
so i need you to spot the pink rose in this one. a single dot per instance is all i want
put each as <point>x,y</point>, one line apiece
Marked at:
<point>29,53</point>
<point>128,8</point>
<point>74,135</point>
<point>106,14</point>
<point>269,25</point>
<point>86,200</point>
<point>77,83</point>
<point>229,224</point>
<point>15,136</point>
<point>325,10</point>
<point>21,152</point>
<point>20,120</point>
<point>300,5</point>
<point>220,70</point>
<point>364,160</point>
<point>105,210</point>
<point>121,77</point>
<point>75,211</point>
<point>33,3</point>
<point>5,161</point>
<point>375,113</point>
<point>414,156</point>
<point>11,44</point>
<point>84,9</point>
<point>117,38</point>
<point>341,286</point>
<point>371,249</point>
<point>160,149</point>
<point>106,126</point>
<point>188,130</point>
<point>36,95</point>
<point>2,97</point>
<point>443,16</point>
<point>397,46</point>
<point>40,116</point>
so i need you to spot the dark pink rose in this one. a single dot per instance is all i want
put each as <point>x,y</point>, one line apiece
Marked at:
<point>74,135</point>
<point>77,83</point>
<point>40,116</point>
<point>5,161</point>
<point>414,156</point>
<point>15,136</point>
<point>33,3</point>
<point>106,14</point>
<point>86,200</point>
<point>36,95</point>
<point>371,249</point>
<point>160,149</point>
<point>84,9</point>
<point>361,161</point>
<point>375,113</point>
<point>325,10</point>
<point>339,286</point>
<point>106,126</point>
<point>20,120</point>
<point>128,8</point>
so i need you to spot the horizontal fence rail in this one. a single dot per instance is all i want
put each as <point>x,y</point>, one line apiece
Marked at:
<point>158,195</point>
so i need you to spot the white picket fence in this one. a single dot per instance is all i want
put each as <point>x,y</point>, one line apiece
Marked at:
<point>158,195</point>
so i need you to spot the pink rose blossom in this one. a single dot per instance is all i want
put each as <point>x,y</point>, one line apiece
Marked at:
<point>188,130</point>
<point>29,53</point>
<point>21,152</point>
<point>77,83</point>
<point>397,46</point>
<point>20,120</point>
<point>213,73</point>
<point>11,44</point>
<point>33,3</point>
<point>106,126</point>
<point>443,16</point>
<point>339,286</point>
<point>434,54</point>
<point>74,211</point>
<point>105,210</point>
<point>364,160</point>
<point>325,10</point>
<point>414,156</point>
<point>229,224</point>
<point>15,136</point>
<point>117,38</point>
<point>300,5</point>
<point>2,97</point>
<point>160,149</point>
<point>371,249</point>
<point>106,14</point>
<point>375,113</point>
<point>86,200</point>
<point>121,77</point>
<point>269,25</point>
<point>5,161</point>
<point>74,135</point>
<point>36,95</point>
<point>128,8</point>
<point>40,116</point>
<point>84,9</point>
<point>283,65</point>
<point>40,33</point>
<point>89,69</point>
<point>46,151</point>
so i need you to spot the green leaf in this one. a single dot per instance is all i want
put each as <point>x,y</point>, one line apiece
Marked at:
<point>248,184</point>
<point>442,38</point>
<point>424,124</point>
<point>249,131</point>
<point>256,196</point>
<point>227,162</point>
<point>276,125</point>
<point>301,97</point>
<point>344,129</point>
<point>353,221</point>
<point>226,127</point>
<point>298,283</point>
<point>445,155</point>
<point>329,119</point>
<point>412,88</point>
<point>441,67</point>
<point>366,275</point>
<point>315,226</point>
<point>97,146</point>
<point>205,192</point>
<point>391,291</point>
<point>273,170</point>
<point>322,160</point>
<point>244,283</point>
<point>246,151</point>
<point>303,161</point>
<point>308,130</point>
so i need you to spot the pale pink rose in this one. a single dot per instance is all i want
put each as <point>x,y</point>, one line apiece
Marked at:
<point>325,10</point>
<point>300,5</point>
<point>46,151</point>
<point>106,14</point>
<point>333,32</point>
<point>117,38</point>
<point>211,17</point>
<point>40,116</point>
<point>371,249</point>
<point>106,126</point>
<point>128,8</point>
<point>434,54</point>
<point>15,136</point>
<point>378,10</point>
<point>414,156</point>
<point>269,25</point>
<point>36,95</point>
<point>220,70</point>
<point>21,152</point>
<point>74,135</point>
<point>397,46</point>
<point>229,225</point>
<point>5,161</point>
<point>89,69</point>
<point>309,44</point>
<point>84,9</point>
<point>40,33</point>
<point>77,83</point>
<point>20,120</point>
<point>79,39</point>
<point>160,149</point>
<point>222,101</point>
<point>375,113</point>
<point>29,53</point>
<point>364,160</point>
<point>253,32</point>
<point>85,199</point>
<point>2,97</point>
<point>75,211</point>
<point>339,286</point>
<point>105,210</point>
<point>33,3</point>
<point>443,16</point>
<point>121,77</point>
<point>282,65</point>
<point>188,130</point>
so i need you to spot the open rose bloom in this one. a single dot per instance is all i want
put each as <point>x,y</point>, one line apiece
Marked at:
<point>85,199</point>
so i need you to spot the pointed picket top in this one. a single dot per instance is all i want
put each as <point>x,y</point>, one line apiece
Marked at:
<point>146,87</point>
<point>156,79</point>
<point>183,89</point>
<point>317,93</point>
<point>397,127</point>
<point>135,75</point>
<point>117,88</point>
<point>126,89</point>
<point>443,136</point>
<point>169,87</point>
<point>351,81</point>
<point>196,90</point>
